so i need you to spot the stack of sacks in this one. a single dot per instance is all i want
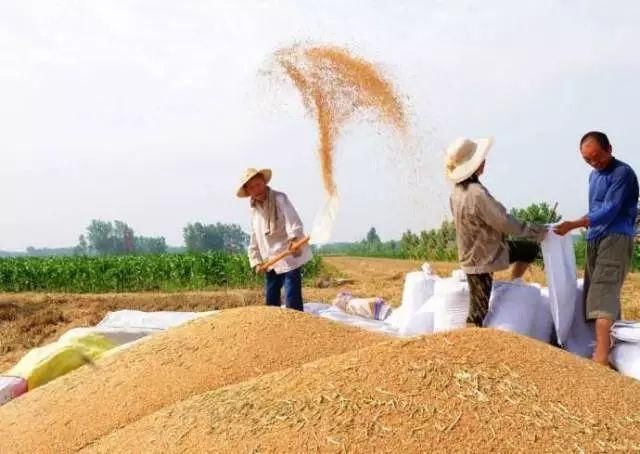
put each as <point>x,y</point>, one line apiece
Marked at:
<point>625,355</point>
<point>431,304</point>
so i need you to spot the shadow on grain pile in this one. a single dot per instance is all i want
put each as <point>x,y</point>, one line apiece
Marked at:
<point>465,391</point>
<point>230,347</point>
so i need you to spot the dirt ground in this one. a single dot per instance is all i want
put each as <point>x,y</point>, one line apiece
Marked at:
<point>28,320</point>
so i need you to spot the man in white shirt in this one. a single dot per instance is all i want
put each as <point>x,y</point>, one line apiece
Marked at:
<point>275,227</point>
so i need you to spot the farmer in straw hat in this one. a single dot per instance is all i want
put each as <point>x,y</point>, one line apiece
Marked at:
<point>610,224</point>
<point>482,225</point>
<point>275,228</point>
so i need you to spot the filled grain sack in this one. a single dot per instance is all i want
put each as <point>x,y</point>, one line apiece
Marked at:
<point>625,355</point>
<point>420,323</point>
<point>519,308</point>
<point>418,288</point>
<point>560,269</point>
<point>11,387</point>
<point>450,304</point>
<point>625,331</point>
<point>43,364</point>
<point>582,337</point>
<point>371,308</point>
<point>544,329</point>
<point>625,358</point>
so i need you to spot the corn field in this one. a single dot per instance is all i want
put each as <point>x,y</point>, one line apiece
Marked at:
<point>131,273</point>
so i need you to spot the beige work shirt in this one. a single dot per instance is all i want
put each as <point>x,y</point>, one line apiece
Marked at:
<point>288,226</point>
<point>482,224</point>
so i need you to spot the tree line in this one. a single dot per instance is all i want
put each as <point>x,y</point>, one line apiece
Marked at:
<point>119,238</point>
<point>440,244</point>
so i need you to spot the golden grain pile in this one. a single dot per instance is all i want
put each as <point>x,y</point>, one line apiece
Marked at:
<point>466,391</point>
<point>269,380</point>
<point>231,347</point>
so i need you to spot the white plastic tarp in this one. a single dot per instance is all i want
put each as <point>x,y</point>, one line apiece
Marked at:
<point>315,308</point>
<point>360,322</point>
<point>421,322</point>
<point>560,269</point>
<point>118,336</point>
<point>161,320</point>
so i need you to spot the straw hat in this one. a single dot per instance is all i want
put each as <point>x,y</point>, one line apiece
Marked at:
<point>248,175</point>
<point>465,156</point>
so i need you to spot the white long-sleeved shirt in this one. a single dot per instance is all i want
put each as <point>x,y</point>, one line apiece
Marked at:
<point>288,227</point>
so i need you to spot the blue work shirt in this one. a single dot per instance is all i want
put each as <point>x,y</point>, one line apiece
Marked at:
<point>613,201</point>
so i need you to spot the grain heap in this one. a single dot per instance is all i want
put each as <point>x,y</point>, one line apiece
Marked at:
<point>231,347</point>
<point>266,380</point>
<point>465,391</point>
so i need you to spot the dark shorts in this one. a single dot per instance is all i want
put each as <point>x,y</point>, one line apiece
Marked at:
<point>480,284</point>
<point>608,262</point>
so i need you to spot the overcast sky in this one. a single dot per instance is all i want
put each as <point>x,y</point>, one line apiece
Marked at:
<point>148,111</point>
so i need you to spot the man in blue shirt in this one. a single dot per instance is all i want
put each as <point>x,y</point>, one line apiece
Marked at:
<point>610,223</point>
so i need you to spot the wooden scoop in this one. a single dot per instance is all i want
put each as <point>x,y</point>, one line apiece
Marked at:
<point>297,245</point>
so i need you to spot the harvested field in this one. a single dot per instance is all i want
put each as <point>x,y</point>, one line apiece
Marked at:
<point>227,348</point>
<point>466,391</point>
<point>29,320</point>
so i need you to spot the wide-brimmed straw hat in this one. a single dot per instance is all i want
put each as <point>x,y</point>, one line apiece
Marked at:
<point>465,156</point>
<point>248,175</point>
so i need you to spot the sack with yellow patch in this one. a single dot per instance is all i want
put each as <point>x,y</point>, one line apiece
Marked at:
<point>43,364</point>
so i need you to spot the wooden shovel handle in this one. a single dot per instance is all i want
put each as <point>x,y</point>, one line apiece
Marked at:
<point>297,245</point>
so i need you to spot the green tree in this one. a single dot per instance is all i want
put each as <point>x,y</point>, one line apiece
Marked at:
<point>123,238</point>
<point>150,245</point>
<point>100,236</point>
<point>83,247</point>
<point>372,236</point>
<point>199,237</point>
<point>537,213</point>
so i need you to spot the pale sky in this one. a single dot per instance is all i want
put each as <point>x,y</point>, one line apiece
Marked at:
<point>148,111</point>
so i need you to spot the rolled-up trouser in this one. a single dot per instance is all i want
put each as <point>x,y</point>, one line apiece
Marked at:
<point>608,262</point>
<point>480,284</point>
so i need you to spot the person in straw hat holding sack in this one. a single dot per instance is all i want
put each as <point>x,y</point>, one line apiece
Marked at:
<point>275,228</point>
<point>482,225</point>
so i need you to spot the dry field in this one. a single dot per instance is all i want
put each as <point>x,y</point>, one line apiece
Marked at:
<point>29,320</point>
